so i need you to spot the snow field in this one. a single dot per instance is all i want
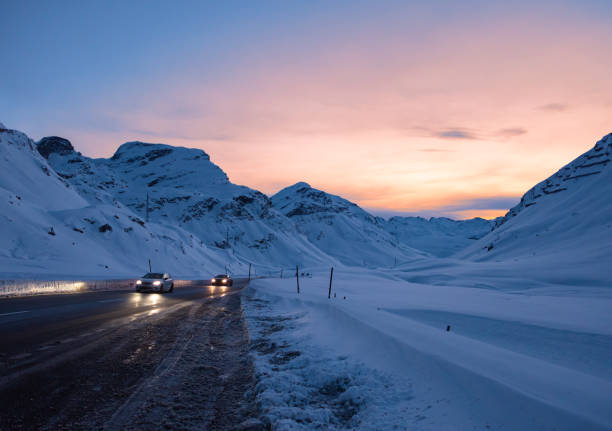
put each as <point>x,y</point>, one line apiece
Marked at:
<point>545,355</point>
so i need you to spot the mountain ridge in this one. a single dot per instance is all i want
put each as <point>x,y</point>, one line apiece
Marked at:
<point>178,193</point>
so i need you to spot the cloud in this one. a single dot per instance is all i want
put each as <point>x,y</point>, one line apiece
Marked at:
<point>455,134</point>
<point>484,203</point>
<point>476,134</point>
<point>556,107</point>
<point>487,207</point>
<point>511,132</point>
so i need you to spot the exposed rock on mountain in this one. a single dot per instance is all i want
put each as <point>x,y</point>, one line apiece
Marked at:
<point>49,228</point>
<point>340,228</point>
<point>182,187</point>
<point>54,144</point>
<point>566,219</point>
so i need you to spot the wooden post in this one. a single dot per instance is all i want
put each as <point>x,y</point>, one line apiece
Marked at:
<point>297,279</point>
<point>149,265</point>
<point>249,272</point>
<point>331,276</point>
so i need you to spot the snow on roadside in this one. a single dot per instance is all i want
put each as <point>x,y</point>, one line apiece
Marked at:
<point>302,386</point>
<point>386,352</point>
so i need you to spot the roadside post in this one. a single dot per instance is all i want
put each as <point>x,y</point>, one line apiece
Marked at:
<point>249,272</point>
<point>331,276</point>
<point>297,279</point>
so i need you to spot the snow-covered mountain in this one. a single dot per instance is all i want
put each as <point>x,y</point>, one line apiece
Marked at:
<point>341,228</point>
<point>183,188</point>
<point>566,219</point>
<point>438,236</point>
<point>50,228</point>
<point>65,213</point>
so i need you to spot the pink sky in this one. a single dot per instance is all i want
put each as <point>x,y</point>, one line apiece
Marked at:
<point>438,120</point>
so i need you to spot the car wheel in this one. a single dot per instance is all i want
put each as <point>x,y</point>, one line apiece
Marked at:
<point>171,287</point>
<point>232,283</point>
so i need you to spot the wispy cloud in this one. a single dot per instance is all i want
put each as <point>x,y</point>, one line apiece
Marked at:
<point>511,132</point>
<point>557,107</point>
<point>469,133</point>
<point>455,134</point>
<point>483,203</point>
<point>486,207</point>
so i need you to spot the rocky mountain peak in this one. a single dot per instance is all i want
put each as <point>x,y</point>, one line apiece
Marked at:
<point>136,150</point>
<point>54,145</point>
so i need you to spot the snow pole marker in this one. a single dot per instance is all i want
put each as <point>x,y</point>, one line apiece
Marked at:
<point>297,279</point>
<point>331,276</point>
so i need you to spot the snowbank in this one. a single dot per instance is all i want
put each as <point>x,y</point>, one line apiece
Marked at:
<point>545,355</point>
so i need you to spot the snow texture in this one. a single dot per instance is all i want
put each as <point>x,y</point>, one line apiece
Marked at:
<point>545,354</point>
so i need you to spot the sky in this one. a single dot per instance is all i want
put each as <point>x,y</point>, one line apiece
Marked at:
<point>439,108</point>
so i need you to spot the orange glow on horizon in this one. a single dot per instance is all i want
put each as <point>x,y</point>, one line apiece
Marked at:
<point>392,123</point>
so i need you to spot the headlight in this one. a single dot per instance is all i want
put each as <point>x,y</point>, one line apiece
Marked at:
<point>213,280</point>
<point>139,282</point>
<point>156,283</point>
<point>225,280</point>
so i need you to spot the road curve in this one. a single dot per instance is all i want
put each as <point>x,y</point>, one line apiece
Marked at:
<point>126,360</point>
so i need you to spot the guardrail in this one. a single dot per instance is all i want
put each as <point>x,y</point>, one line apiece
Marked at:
<point>9,288</point>
<point>37,287</point>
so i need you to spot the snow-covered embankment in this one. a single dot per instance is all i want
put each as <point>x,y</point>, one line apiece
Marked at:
<point>382,357</point>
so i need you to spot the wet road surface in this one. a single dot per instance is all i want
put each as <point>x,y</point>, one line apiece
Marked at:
<point>126,360</point>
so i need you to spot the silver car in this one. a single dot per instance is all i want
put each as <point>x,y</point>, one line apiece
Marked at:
<point>155,282</point>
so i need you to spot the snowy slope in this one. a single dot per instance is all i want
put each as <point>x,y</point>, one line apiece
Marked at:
<point>438,236</point>
<point>378,356</point>
<point>566,220</point>
<point>49,228</point>
<point>190,192</point>
<point>340,228</point>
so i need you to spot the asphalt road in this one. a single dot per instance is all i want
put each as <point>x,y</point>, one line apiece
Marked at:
<point>127,360</point>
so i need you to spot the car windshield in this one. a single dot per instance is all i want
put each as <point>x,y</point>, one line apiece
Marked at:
<point>153,275</point>
<point>221,276</point>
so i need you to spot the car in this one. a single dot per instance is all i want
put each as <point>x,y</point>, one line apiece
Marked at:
<point>222,280</point>
<point>155,281</point>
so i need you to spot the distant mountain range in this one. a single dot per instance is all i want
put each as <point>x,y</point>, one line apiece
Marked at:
<point>67,214</point>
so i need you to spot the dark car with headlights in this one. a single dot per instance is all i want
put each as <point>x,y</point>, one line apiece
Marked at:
<point>222,280</point>
<point>155,282</point>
